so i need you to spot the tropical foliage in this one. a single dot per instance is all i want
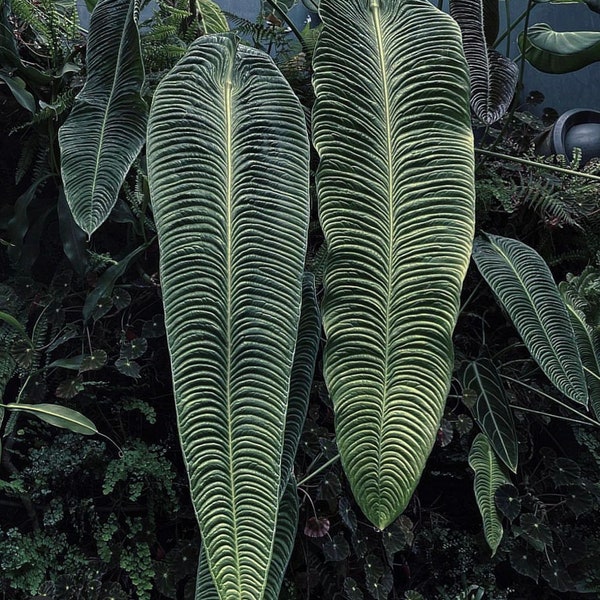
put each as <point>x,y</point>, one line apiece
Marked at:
<point>175,421</point>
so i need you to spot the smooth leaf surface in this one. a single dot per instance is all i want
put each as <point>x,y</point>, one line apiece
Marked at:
<point>228,174</point>
<point>488,478</point>
<point>59,416</point>
<point>491,410</point>
<point>105,130</point>
<point>395,187</point>
<point>559,52</point>
<point>493,76</point>
<point>523,283</point>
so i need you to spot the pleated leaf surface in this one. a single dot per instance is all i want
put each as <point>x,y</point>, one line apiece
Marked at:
<point>105,131</point>
<point>395,187</point>
<point>588,343</point>
<point>491,410</point>
<point>488,478</point>
<point>228,174</point>
<point>493,76</point>
<point>523,284</point>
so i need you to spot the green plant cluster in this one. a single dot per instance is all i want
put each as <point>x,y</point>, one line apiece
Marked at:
<point>94,490</point>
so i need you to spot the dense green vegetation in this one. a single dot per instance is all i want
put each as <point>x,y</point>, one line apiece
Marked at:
<point>183,212</point>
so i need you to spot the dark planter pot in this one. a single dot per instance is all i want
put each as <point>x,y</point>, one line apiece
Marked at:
<point>576,128</point>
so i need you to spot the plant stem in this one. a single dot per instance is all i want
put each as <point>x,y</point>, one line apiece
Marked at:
<point>545,414</point>
<point>319,470</point>
<point>529,387</point>
<point>532,163</point>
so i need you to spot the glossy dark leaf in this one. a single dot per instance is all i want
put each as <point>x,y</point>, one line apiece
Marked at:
<point>492,411</point>
<point>564,471</point>
<point>23,354</point>
<point>463,424</point>
<point>121,298</point>
<point>128,367</point>
<point>69,389</point>
<point>508,501</point>
<point>316,527</point>
<point>134,349</point>
<point>555,573</point>
<point>347,513</point>
<point>94,361</point>
<point>351,590</point>
<point>573,550</point>
<point>578,501</point>
<point>526,561</point>
<point>154,328</point>
<point>102,308</point>
<point>73,238</point>
<point>336,548</point>
<point>537,533</point>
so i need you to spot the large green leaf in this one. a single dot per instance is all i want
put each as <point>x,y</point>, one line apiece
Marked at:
<point>492,411</point>
<point>287,520</point>
<point>213,19</point>
<point>105,131</point>
<point>493,76</point>
<point>488,478</point>
<point>305,356</point>
<point>228,173</point>
<point>588,342</point>
<point>559,52</point>
<point>523,283</point>
<point>395,186</point>
<point>57,415</point>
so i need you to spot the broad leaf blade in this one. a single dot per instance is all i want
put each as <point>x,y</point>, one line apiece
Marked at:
<point>105,131</point>
<point>588,343</point>
<point>228,173</point>
<point>492,410</point>
<point>559,52</point>
<point>522,282</point>
<point>213,19</point>
<point>493,76</point>
<point>395,187</point>
<point>488,478</point>
<point>59,416</point>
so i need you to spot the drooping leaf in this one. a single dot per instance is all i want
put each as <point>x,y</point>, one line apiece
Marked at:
<point>522,282</point>
<point>228,174</point>
<point>73,238</point>
<point>564,471</point>
<point>19,91</point>
<point>351,589</point>
<point>128,367</point>
<point>492,411</point>
<point>14,323</point>
<point>69,388</point>
<point>488,478</point>
<point>559,52</point>
<point>305,356</point>
<point>135,348</point>
<point>526,561</point>
<point>59,416</point>
<point>493,76</point>
<point>395,187</point>
<point>578,501</point>
<point>105,130</point>
<point>588,343</point>
<point>213,19</point>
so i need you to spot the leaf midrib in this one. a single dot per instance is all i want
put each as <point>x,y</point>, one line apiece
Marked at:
<point>117,72</point>
<point>374,7</point>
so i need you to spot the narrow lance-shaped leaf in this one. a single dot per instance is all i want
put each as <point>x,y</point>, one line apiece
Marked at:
<point>588,343</point>
<point>228,173</point>
<point>493,76</point>
<point>523,283</point>
<point>488,478</point>
<point>105,131</point>
<point>305,356</point>
<point>395,186</point>
<point>491,410</point>
<point>59,416</point>
<point>559,52</point>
